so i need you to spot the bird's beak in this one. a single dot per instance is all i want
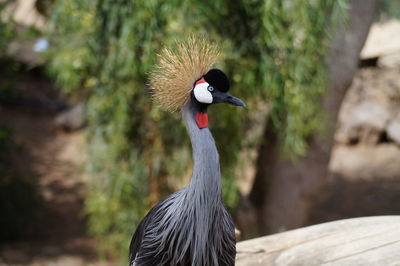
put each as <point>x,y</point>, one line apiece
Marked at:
<point>222,97</point>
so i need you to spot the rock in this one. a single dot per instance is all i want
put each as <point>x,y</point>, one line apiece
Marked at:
<point>363,123</point>
<point>383,39</point>
<point>393,129</point>
<point>72,119</point>
<point>24,12</point>
<point>389,61</point>
<point>22,51</point>
<point>370,105</point>
<point>366,162</point>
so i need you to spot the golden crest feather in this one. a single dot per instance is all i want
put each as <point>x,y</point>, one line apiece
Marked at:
<point>172,78</point>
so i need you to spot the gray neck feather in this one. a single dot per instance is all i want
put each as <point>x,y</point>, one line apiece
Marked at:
<point>204,191</point>
<point>206,177</point>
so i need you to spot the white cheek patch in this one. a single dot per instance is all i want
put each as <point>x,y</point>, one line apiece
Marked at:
<point>202,94</point>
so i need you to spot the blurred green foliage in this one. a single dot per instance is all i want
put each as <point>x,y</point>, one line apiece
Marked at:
<point>102,50</point>
<point>390,9</point>
<point>277,52</point>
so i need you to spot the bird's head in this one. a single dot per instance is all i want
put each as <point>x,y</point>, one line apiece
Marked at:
<point>184,74</point>
<point>212,88</point>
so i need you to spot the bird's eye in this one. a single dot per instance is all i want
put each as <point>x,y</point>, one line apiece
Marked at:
<point>210,88</point>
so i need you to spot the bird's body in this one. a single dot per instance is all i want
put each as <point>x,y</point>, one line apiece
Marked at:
<point>192,226</point>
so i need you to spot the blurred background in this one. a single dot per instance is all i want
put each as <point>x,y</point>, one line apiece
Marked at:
<point>84,153</point>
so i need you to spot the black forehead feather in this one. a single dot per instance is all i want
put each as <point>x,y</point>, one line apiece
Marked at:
<point>217,79</point>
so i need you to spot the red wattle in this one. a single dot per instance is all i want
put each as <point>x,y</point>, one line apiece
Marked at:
<point>202,80</point>
<point>202,119</point>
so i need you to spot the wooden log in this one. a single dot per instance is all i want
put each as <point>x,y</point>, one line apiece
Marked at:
<point>358,241</point>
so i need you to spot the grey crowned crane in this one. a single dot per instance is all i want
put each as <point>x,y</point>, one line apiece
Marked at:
<point>191,226</point>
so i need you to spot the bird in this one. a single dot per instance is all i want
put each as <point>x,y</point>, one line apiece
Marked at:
<point>192,226</point>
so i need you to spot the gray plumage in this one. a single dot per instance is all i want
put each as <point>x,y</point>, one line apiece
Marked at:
<point>191,226</point>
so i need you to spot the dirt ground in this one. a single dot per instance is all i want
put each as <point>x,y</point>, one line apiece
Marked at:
<point>53,160</point>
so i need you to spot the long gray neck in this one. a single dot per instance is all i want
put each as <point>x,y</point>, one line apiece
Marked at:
<point>206,177</point>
